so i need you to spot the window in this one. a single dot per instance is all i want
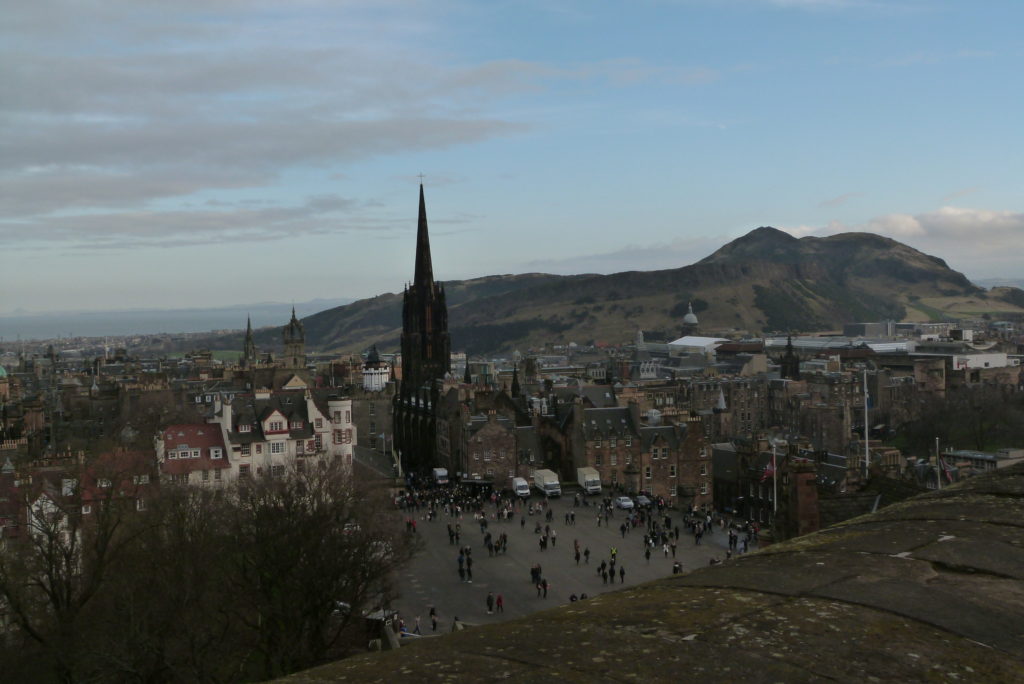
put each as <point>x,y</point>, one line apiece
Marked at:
<point>613,459</point>
<point>86,509</point>
<point>277,471</point>
<point>672,470</point>
<point>216,475</point>
<point>629,458</point>
<point>597,459</point>
<point>277,447</point>
<point>206,476</point>
<point>703,468</point>
<point>597,444</point>
<point>372,409</point>
<point>215,452</point>
<point>140,479</point>
<point>275,426</point>
<point>103,482</point>
<point>244,427</point>
<point>244,470</point>
<point>318,442</point>
<point>180,479</point>
<point>529,454</point>
<point>195,453</point>
<point>629,441</point>
<point>476,455</point>
<point>490,472</point>
<point>488,455</point>
<point>259,448</point>
<point>647,472</point>
<point>140,504</point>
<point>373,428</point>
<point>348,416</point>
<point>319,423</point>
<point>296,425</point>
<point>246,449</point>
<point>703,487</point>
<point>336,417</point>
<point>612,443</point>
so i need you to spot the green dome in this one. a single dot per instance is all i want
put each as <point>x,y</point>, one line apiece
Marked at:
<point>3,372</point>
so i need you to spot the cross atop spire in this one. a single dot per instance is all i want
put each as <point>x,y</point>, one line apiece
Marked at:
<point>424,268</point>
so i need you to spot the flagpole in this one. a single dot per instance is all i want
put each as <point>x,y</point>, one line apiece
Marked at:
<point>867,429</point>
<point>775,483</point>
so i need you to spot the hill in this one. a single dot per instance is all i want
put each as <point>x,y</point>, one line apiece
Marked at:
<point>764,281</point>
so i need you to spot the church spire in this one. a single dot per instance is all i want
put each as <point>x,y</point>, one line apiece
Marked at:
<point>515,381</point>
<point>424,268</point>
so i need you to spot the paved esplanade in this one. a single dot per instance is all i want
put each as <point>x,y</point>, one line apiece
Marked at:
<point>432,578</point>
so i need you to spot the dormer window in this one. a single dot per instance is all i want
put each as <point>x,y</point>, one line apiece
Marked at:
<point>296,425</point>
<point>275,426</point>
<point>244,427</point>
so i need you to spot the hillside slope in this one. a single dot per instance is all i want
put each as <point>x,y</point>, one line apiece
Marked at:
<point>766,280</point>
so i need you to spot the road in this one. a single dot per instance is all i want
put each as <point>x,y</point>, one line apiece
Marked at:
<point>432,579</point>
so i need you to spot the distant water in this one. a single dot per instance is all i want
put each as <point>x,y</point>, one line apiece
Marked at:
<point>149,322</point>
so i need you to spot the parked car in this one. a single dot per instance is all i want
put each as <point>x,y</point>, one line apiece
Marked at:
<point>623,502</point>
<point>643,502</point>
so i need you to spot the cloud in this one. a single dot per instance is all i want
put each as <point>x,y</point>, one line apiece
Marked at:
<point>984,242</point>
<point>119,115</point>
<point>957,194</point>
<point>840,200</point>
<point>674,254</point>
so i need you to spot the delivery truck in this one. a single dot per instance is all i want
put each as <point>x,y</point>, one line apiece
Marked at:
<point>590,481</point>
<point>546,482</point>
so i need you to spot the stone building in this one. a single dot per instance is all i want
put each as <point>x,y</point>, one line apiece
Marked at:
<point>426,358</point>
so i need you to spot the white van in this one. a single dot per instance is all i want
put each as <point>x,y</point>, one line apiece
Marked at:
<point>521,487</point>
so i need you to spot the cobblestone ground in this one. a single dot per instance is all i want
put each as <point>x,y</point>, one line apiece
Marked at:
<point>432,579</point>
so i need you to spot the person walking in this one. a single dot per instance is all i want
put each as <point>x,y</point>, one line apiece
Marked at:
<point>622,575</point>
<point>499,604</point>
<point>544,586</point>
<point>586,556</point>
<point>490,603</point>
<point>647,554</point>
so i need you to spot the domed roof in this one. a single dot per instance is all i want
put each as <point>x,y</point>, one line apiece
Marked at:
<point>3,372</point>
<point>690,318</point>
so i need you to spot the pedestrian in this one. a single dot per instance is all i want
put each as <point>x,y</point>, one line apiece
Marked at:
<point>577,558</point>
<point>622,575</point>
<point>544,586</point>
<point>604,577</point>
<point>586,556</point>
<point>469,574</point>
<point>462,574</point>
<point>672,545</point>
<point>522,523</point>
<point>416,629</point>
<point>647,554</point>
<point>554,537</point>
<point>499,604</point>
<point>664,547</point>
<point>490,603</point>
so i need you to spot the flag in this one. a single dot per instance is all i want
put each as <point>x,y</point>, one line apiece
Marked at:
<point>769,470</point>
<point>946,469</point>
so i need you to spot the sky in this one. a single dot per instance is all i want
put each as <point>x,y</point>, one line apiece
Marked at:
<point>195,153</point>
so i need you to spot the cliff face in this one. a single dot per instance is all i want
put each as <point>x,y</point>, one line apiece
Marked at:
<point>764,281</point>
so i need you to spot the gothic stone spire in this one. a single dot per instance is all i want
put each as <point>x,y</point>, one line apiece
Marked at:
<point>424,267</point>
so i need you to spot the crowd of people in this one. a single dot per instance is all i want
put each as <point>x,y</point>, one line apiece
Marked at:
<point>656,528</point>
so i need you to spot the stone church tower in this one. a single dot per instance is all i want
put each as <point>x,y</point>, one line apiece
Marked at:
<point>294,344</point>
<point>426,357</point>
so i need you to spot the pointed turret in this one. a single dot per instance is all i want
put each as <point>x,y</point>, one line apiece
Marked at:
<point>249,350</point>
<point>294,343</point>
<point>515,381</point>
<point>424,266</point>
